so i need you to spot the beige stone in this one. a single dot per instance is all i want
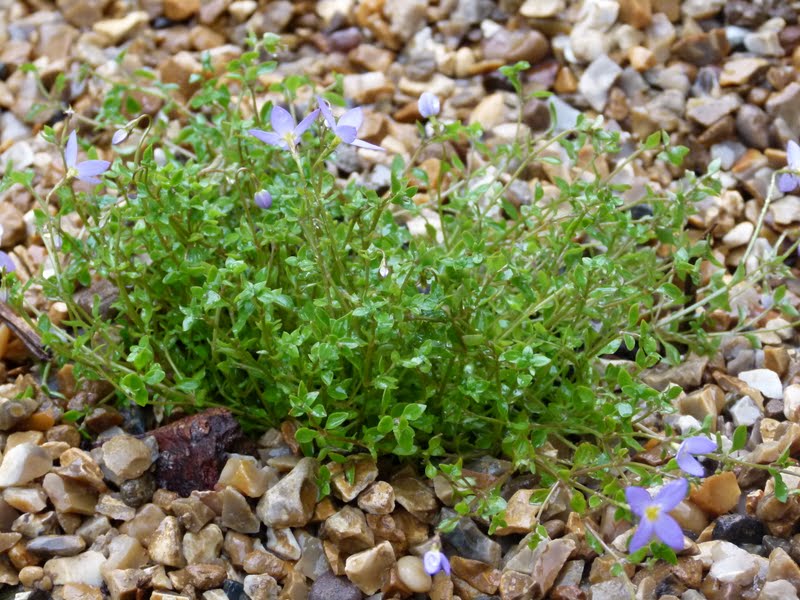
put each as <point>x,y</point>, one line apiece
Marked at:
<point>244,474</point>
<point>179,10</point>
<point>717,494</point>
<point>22,464</point>
<point>69,496</point>
<point>164,546</point>
<point>368,569</point>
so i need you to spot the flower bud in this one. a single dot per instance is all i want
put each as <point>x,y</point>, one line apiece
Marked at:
<point>263,199</point>
<point>428,105</point>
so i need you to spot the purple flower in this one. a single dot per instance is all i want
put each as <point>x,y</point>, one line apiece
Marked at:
<point>285,132</point>
<point>694,445</point>
<point>435,561</point>
<point>120,135</point>
<point>788,182</point>
<point>6,263</point>
<point>655,522</point>
<point>87,170</point>
<point>263,199</point>
<point>428,104</point>
<point>346,129</point>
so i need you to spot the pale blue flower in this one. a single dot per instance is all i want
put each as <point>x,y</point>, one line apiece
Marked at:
<point>263,199</point>
<point>435,561</point>
<point>87,170</point>
<point>286,133</point>
<point>428,105</point>
<point>346,128</point>
<point>694,445</point>
<point>655,521</point>
<point>788,182</point>
<point>120,135</point>
<point>6,264</point>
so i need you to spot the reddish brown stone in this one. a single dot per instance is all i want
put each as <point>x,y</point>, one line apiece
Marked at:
<point>193,450</point>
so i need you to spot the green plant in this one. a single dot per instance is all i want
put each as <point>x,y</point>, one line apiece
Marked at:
<point>484,333</point>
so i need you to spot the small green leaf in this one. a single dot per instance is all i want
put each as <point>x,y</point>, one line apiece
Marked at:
<point>304,435</point>
<point>739,438</point>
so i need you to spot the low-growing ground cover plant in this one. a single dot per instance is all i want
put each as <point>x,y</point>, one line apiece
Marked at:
<point>431,315</point>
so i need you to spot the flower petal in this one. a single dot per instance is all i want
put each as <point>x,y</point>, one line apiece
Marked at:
<point>669,532</point>
<point>268,137</point>
<point>7,263</point>
<point>428,105</point>
<point>445,563</point>
<point>71,151</point>
<point>638,499</point>
<point>793,155</point>
<point>305,124</point>
<point>352,118</point>
<point>346,134</point>
<point>689,464</point>
<point>325,109</point>
<point>281,120</point>
<point>642,537</point>
<point>671,494</point>
<point>698,444</point>
<point>432,561</point>
<point>90,168</point>
<point>263,199</point>
<point>87,179</point>
<point>788,182</point>
<point>120,135</point>
<point>367,145</point>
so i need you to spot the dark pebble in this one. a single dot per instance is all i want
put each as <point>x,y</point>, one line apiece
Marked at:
<point>4,71</point>
<point>536,114</point>
<point>162,23</point>
<point>345,40</point>
<point>640,211</point>
<point>234,590</point>
<point>330,587</point>
<point>738,529</point>
<point>770,542</point>
<point>138,492</point>
<point>774,410</point>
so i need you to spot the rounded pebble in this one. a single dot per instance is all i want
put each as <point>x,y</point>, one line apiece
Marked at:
<point>411,572</point>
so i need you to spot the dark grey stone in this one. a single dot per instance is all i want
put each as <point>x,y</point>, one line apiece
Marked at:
<point>330,587</point>
<point>738,529</point>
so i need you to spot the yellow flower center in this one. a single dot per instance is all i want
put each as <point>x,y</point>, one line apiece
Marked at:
<point>651,513</point>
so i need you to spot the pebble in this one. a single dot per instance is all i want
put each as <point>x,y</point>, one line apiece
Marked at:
<point>164,546</point>
<point>377,499</point>
<point>411,573</point>
<point>117,30</point>
<point>82,568</point>
<point>765,381</point>
<point>290,502</point>
<point>244,474</point>
<point>369,568</point>
<point>330,587</point>
<point>717,494</point>
<point>738,529</point>
<point>513,46</point>
<point>597,80</point>
<point>470,542</point>
<point>24,463</point>
<point>731,564</point>
<point>745,412</point>
<point>364,471</point>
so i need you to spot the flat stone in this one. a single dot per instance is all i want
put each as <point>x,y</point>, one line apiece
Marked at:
<point>765,381</point>
<point>27,499</point>
<point>260,561</point>
<point>69,496</point>
<point>741,71</point>
<point>145,523</point>
<point>24,463</point>
<point>745,412</point>
<point>127,457</point>
<point>729,563</point>
<point>82,568</point>
<point>416,497</point>
<point>56,545</point>
<point>479,575</point>
<point>706,110</point>
<point>179,10</point>
<point>717,494</point>
<point>513,46</point>
<point>597,80</point>
<point>283,543</point>
<point>125,552</point>
<point>786,105</point>
<point>329,587</point>
<point>541,9</point>
<point>705,48</point>
<point>117,30</point>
